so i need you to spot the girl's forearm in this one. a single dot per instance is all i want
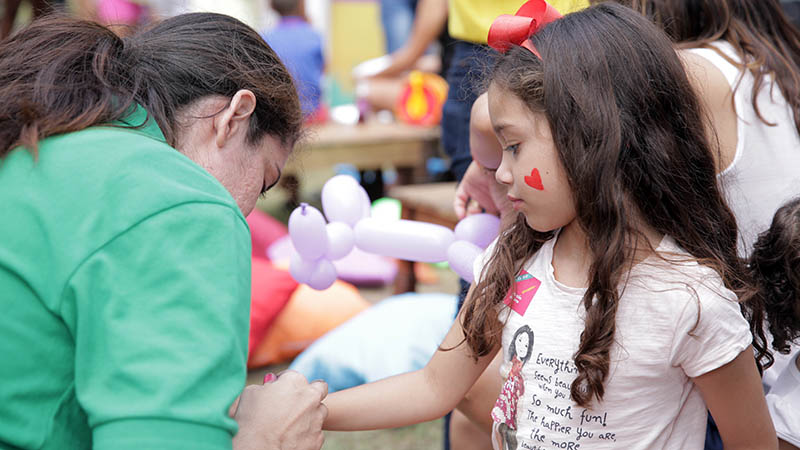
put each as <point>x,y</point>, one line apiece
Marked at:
<point>393,402</point>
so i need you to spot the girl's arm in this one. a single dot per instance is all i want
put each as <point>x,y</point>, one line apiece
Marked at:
<point>735,398</point>
<point>423,395</point>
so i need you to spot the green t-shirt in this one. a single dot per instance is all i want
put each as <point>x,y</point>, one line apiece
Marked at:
<point>124,295</point>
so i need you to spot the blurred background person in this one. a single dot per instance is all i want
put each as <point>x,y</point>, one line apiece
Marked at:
<point>301,48</point>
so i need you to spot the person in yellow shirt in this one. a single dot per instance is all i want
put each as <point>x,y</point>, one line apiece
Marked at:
<point>468,22</point>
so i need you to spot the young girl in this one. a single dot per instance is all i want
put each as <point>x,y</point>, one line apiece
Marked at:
<point>621,260</point>
<point>775,266</point>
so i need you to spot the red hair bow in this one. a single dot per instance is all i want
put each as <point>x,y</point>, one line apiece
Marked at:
<point>508,30</point>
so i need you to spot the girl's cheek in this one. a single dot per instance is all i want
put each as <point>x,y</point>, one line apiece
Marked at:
<point>534,180</point>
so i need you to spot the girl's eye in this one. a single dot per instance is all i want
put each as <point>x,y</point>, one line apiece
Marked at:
<point>512,148</point>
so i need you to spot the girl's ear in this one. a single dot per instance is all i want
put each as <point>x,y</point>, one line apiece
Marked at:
<point>234,119</point>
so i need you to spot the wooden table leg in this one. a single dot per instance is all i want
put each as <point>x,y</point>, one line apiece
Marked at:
<point>406,280</point>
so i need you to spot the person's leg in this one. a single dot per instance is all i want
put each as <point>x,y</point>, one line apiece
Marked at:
<point>511,438</point>
<point>465,68</point>
<point>397,18</point>
<point>713,439</point>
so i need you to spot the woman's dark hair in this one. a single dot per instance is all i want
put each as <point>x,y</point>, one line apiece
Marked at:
<point>61,74</point>
<point>629,133</point>
<point>525,329</point>
<point>759,30</point>
<point>775,267</point>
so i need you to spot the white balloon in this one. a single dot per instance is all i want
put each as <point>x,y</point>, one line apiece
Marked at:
<point>340,240</point>
<point>404,239</point>
<point>342,200</point>
<point>461,256</point>
<point>323,275</point>
<point>307,230</point>
<point>301,269</point>
<point>480,229</point>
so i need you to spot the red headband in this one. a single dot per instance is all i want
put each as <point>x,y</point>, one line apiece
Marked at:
<point>508,30</point>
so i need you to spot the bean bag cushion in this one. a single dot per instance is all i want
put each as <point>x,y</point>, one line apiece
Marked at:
<point>396,335</point>
<point>270,292</point>
<point>308,315</point>
<point>264,230</point>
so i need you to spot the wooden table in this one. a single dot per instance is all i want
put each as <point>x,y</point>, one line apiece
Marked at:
<point>430,202</point>
<point>368,146</point>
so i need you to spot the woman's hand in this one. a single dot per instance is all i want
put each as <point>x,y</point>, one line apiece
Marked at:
<point>283,414</point>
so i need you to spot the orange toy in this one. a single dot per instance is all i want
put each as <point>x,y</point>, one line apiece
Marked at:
<point>308,315</point>
<point>422,98</point>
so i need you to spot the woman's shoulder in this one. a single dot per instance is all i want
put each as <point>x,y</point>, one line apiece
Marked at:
<point>128,174</point>
<point>119,157</point>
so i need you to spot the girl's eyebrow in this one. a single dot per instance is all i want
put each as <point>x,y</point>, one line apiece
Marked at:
<point>500,127</point>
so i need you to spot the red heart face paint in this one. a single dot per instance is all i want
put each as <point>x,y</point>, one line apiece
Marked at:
<point>534,180</point>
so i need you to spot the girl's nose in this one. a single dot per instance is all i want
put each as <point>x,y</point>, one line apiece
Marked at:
<point>503,173</point>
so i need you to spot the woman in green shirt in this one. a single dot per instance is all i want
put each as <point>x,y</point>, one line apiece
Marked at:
<point>125,263</point>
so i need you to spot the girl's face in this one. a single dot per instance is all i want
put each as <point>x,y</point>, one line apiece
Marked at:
<point>521,344</point>
<point>530,168</point>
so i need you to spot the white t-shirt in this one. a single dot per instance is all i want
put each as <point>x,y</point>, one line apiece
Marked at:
<point>650,400</point>
<point>783,400</point>
<point>765,172</point>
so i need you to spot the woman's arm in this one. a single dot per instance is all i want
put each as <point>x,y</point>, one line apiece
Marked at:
<point>735,398</point>
<point>426,394</point>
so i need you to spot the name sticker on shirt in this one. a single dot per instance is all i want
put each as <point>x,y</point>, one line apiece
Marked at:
<point>525,287</point>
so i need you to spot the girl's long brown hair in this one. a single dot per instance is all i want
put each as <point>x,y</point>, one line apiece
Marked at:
<point>759,30</point>
<point>629,132</point>
<point>775,267</point>
<point>61,74</point>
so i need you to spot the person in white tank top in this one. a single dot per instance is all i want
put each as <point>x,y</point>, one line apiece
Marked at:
<point>743,58</point>
<point>764,152</point>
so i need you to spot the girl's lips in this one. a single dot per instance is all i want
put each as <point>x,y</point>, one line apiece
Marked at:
<point>515,202</point>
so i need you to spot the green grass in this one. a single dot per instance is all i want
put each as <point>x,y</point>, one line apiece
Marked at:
<point>424,436</point>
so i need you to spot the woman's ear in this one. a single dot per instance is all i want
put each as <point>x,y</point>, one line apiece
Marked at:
<point>234,119</point>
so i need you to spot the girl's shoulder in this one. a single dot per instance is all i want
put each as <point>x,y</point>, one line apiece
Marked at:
<point>544,253</point>
<point>678,278</point>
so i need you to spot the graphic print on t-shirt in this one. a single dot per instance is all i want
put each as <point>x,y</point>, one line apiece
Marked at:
<point>520,295</point>
<point>504,412</point>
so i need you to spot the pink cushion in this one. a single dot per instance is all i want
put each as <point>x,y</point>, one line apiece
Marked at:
<point>271,290</point>
<point>264,230</point>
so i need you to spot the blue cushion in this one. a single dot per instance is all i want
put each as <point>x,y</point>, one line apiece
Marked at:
<point>396,335</point>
